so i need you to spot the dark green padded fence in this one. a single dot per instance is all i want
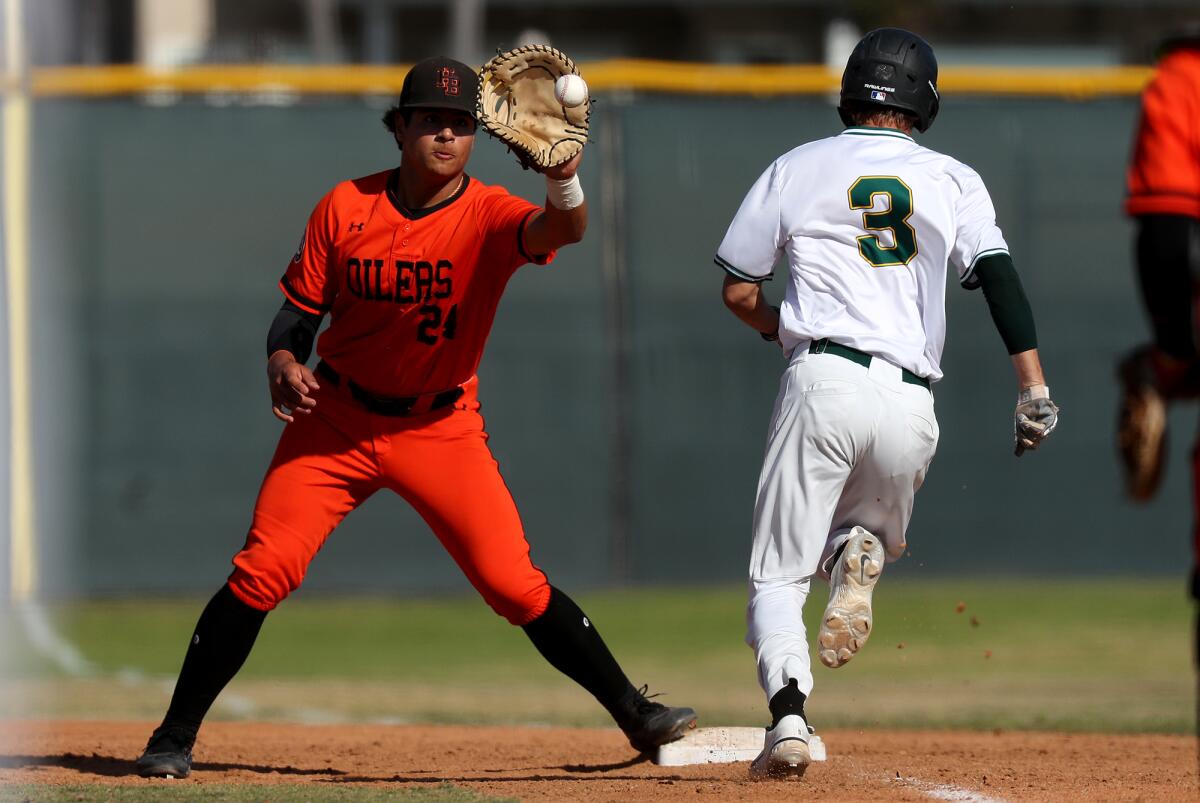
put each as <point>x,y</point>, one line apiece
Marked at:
<point>627,407</point>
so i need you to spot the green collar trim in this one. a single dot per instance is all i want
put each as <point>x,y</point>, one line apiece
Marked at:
<point>865,131</point>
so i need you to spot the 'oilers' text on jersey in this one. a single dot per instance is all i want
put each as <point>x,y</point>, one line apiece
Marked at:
<point>411,293</point>
<point>868,221</point>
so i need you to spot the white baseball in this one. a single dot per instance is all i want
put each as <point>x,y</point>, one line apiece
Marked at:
<point>570,90</point>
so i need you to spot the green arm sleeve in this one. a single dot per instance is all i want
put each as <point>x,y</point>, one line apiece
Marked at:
<point>1007,302</point>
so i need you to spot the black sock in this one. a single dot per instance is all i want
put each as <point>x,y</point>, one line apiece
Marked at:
<point>220,644</point>
<point>568,640</point>
<point>788,700</point>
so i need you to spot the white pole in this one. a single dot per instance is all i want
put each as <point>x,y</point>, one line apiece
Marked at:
<point>23,565</point>
<point>23,569</point>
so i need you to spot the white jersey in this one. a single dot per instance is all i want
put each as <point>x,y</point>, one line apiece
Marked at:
<point>869,221</point>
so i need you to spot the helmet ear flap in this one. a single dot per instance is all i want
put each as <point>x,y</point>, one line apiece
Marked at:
<point>933,109</point>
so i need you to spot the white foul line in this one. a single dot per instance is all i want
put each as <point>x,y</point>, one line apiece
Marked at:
<point>942,791</point>
<point>48,642</point>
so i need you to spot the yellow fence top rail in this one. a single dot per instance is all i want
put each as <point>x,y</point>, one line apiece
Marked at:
<point>603,76</point>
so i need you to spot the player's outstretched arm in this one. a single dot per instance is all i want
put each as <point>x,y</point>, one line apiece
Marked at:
<point>564,218</point>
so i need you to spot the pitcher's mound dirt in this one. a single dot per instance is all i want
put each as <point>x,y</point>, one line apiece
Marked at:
<point>533,763</point>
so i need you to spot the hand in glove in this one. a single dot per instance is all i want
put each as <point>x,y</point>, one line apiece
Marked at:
<point>1035,418</point>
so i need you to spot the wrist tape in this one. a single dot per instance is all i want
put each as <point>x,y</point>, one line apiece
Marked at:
<point>1033,392</point>
<point>564,194</point>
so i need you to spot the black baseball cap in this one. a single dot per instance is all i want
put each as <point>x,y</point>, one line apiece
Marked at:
<point>440,83</point>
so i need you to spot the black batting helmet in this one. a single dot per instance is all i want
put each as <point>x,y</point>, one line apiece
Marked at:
<point>891,68</point>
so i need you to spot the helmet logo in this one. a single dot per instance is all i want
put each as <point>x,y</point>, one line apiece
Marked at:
<point>877,95</point>
<point>885,72</point>
<point>447,80</point>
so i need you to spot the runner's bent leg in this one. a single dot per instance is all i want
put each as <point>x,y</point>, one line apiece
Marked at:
<point>879,493</point>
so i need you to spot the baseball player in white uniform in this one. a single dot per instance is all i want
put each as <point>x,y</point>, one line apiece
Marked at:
<point>868,222</point>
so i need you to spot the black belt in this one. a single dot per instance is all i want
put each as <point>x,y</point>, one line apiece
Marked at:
<point>391,405</point>
<point>827,346</point>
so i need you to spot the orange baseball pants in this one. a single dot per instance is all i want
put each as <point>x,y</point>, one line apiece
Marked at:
<point>332,460</point>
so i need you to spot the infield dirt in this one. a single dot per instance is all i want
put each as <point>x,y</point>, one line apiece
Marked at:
<point>597,764</point>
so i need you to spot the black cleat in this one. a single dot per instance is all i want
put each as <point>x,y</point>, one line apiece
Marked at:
<point>168,754</point>
<point>649,725</point>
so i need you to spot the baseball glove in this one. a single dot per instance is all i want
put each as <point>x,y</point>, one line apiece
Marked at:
<point>517,106</point>
<point>1141,427</point>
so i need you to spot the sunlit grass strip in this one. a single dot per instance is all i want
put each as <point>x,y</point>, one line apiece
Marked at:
<point>604,76</point>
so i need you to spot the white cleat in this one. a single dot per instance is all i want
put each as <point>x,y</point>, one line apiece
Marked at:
<point>847,621</point>
<point>785,752</point>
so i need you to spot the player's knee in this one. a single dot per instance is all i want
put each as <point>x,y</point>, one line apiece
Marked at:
<point>262,580</point>
<point>518,602</point>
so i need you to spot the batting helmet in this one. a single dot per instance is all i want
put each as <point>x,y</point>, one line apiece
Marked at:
<point>892,68</point>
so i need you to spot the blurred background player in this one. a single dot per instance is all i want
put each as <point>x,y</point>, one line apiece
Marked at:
<point>868,222</point>
<point>410,263</point>
<point>1164,201</point>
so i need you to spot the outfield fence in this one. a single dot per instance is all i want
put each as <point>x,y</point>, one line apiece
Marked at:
<point>627,408</point>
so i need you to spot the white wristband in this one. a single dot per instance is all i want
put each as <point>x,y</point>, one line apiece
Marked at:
<point>564,193</point>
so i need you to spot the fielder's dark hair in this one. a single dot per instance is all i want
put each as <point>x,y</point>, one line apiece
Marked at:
<point>389,117</point>
<point>389,121</point>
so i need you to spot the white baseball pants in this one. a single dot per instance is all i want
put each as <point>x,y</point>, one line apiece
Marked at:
<point>848,445</point>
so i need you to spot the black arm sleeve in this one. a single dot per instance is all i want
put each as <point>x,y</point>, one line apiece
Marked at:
<point>293,330</point>
<point>1007,302</point>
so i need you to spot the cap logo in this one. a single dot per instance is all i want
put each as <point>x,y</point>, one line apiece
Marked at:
<point>885,72</point>
<point>447,81</point>
<point>877,95</point>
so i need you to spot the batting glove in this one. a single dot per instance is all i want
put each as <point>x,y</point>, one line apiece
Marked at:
<point>1035,418</point>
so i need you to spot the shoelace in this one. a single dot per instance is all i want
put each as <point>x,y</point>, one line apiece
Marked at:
<point>645,706</point>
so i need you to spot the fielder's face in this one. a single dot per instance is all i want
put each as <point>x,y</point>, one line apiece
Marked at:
<point>436,141</point>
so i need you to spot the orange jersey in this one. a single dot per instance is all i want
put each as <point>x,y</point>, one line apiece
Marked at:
<point>1164,176</point>
<point>411,293</point>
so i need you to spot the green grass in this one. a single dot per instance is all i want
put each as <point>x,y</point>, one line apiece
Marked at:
<point>443,793</point>
<point>1108,655</point>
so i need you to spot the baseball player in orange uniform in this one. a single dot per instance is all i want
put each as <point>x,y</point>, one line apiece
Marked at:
<point>409,264</point>
<point>1164,200</point>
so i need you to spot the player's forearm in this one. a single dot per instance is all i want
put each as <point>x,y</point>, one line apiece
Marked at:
<point>747,301</point>
<point>564,218</point>
<point>292,332</point>
<point>1028,369</point>
<point>556,227</point>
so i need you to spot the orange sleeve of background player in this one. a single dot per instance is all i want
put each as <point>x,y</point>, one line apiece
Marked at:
<point>1164,174</point>
<point>308,283</point>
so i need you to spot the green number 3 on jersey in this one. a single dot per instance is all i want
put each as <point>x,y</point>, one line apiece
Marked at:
<point>893,218</point>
